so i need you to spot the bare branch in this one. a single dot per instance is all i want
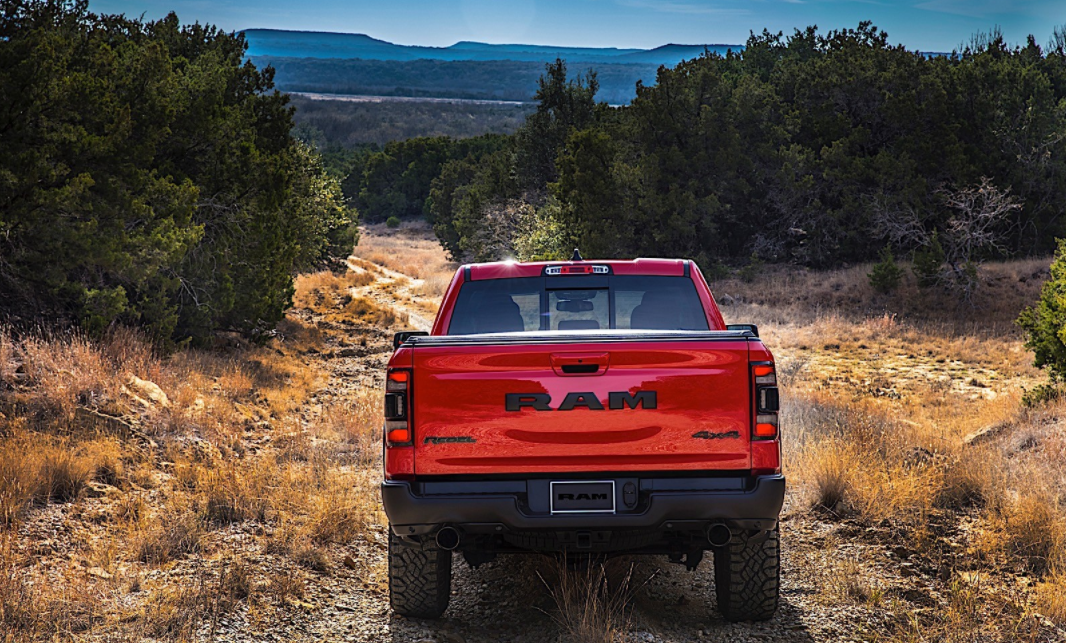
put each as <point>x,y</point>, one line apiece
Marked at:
<point>981,213</point>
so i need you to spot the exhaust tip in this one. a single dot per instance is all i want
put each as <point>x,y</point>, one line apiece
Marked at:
<point>448,538</point>
<point>719,535</point>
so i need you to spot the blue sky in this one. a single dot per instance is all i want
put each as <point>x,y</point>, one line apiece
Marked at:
<point>929,25</point>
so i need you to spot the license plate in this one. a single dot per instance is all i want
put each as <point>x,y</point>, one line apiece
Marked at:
<point>582,496</point>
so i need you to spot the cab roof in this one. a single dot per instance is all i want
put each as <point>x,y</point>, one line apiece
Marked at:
<point>511,269</point>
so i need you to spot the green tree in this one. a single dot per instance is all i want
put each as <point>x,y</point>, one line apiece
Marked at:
<point>591,196</point>
<point>445,193</point>
<point>562,105</point>
<point>1045,323</point>
<point>149,177</point>
<point>885,276</point>
<point>796,149</point>
<point>928,262</point>
<point>543,236</point>
<point>397,180</point>
<point>491,193</point>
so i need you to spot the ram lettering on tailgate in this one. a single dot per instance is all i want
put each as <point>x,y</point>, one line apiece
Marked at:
<point>616,400</point>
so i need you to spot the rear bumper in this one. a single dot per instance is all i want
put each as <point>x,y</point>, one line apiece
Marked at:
<point>665,505</point>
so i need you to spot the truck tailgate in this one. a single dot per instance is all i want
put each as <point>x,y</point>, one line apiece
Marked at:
<point>609,402</point>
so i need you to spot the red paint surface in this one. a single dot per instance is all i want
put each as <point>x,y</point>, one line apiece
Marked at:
<point>460,392</point>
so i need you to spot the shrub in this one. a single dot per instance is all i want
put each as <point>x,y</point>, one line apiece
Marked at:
<point>831,468</point>
<point>393,222</point>
<point>1033,529</point>
<point>751,272</point>
<point>928,260</point>
<point>1046,322</point>
<point>1051,597</point>
<point>1041,394</point>
<point>886,275</point>
<point>716,270</point>
<point>174,533</point>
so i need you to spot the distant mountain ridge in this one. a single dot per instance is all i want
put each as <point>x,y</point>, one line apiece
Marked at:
<point>279,43</point>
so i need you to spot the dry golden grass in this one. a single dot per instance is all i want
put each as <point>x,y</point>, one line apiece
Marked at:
<point>29,610</point>
<point>176,612</point>
<point>172,532</point>
<point>366,311</point>
<point>37,469</point>
<point>1051,597</point>
<point>434,286</point>
<point>354,426</point>
<point>319,291</point>
<point>411,249</point>
<point>832,464</point>
<point>1030,526</point>
<point>879,396</point>
<point>784,294</point>
<point>284,587</point>
<point>848,581</point>
<point>230,493</point>
<point>880,466</point>
<point>416,269</point>
<point>592,602</point>
<point>309,496</point>
<point>900,458</point>
<point>154,457</point>
<point>877,405</point>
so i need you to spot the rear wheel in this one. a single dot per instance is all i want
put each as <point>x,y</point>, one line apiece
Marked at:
<point>747,577</point>
<point>420,577</point>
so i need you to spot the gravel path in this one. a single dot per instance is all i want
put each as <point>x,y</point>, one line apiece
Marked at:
<point>509,600</point>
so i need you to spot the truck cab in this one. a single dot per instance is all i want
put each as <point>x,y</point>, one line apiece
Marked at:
<point>585,408</point>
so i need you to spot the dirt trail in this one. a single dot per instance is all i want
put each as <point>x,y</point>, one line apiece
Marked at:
<point>394,290</point>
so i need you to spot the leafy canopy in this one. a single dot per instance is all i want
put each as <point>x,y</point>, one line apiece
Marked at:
<point>816,148</point>
<point>149,177</point>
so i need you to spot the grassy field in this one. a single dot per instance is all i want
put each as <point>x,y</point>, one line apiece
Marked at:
<point>159,496</point>
<point>904,415</point>
<point>147,496</point>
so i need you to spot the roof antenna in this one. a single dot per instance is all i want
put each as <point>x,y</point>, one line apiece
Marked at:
<point>577,255</point>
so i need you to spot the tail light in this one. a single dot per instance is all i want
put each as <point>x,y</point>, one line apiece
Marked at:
<point>765,443</point>
<point>767,401</point>
<point>398,427</point>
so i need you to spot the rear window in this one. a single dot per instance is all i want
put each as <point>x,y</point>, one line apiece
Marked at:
<point>617,302</point>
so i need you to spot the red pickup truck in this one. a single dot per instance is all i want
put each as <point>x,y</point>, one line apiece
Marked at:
<point>592,408</point>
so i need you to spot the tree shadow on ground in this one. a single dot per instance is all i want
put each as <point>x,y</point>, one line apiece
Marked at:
<point>520,598</point>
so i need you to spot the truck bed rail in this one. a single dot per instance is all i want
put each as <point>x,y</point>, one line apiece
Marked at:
<point>582,337</point>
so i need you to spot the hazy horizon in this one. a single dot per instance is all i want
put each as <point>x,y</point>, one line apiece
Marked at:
<point>927,25</point>
<point>483,42</point>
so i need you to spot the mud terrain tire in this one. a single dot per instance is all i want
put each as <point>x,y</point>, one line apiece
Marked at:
<point>420,578</point>
<point>747,577</point>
